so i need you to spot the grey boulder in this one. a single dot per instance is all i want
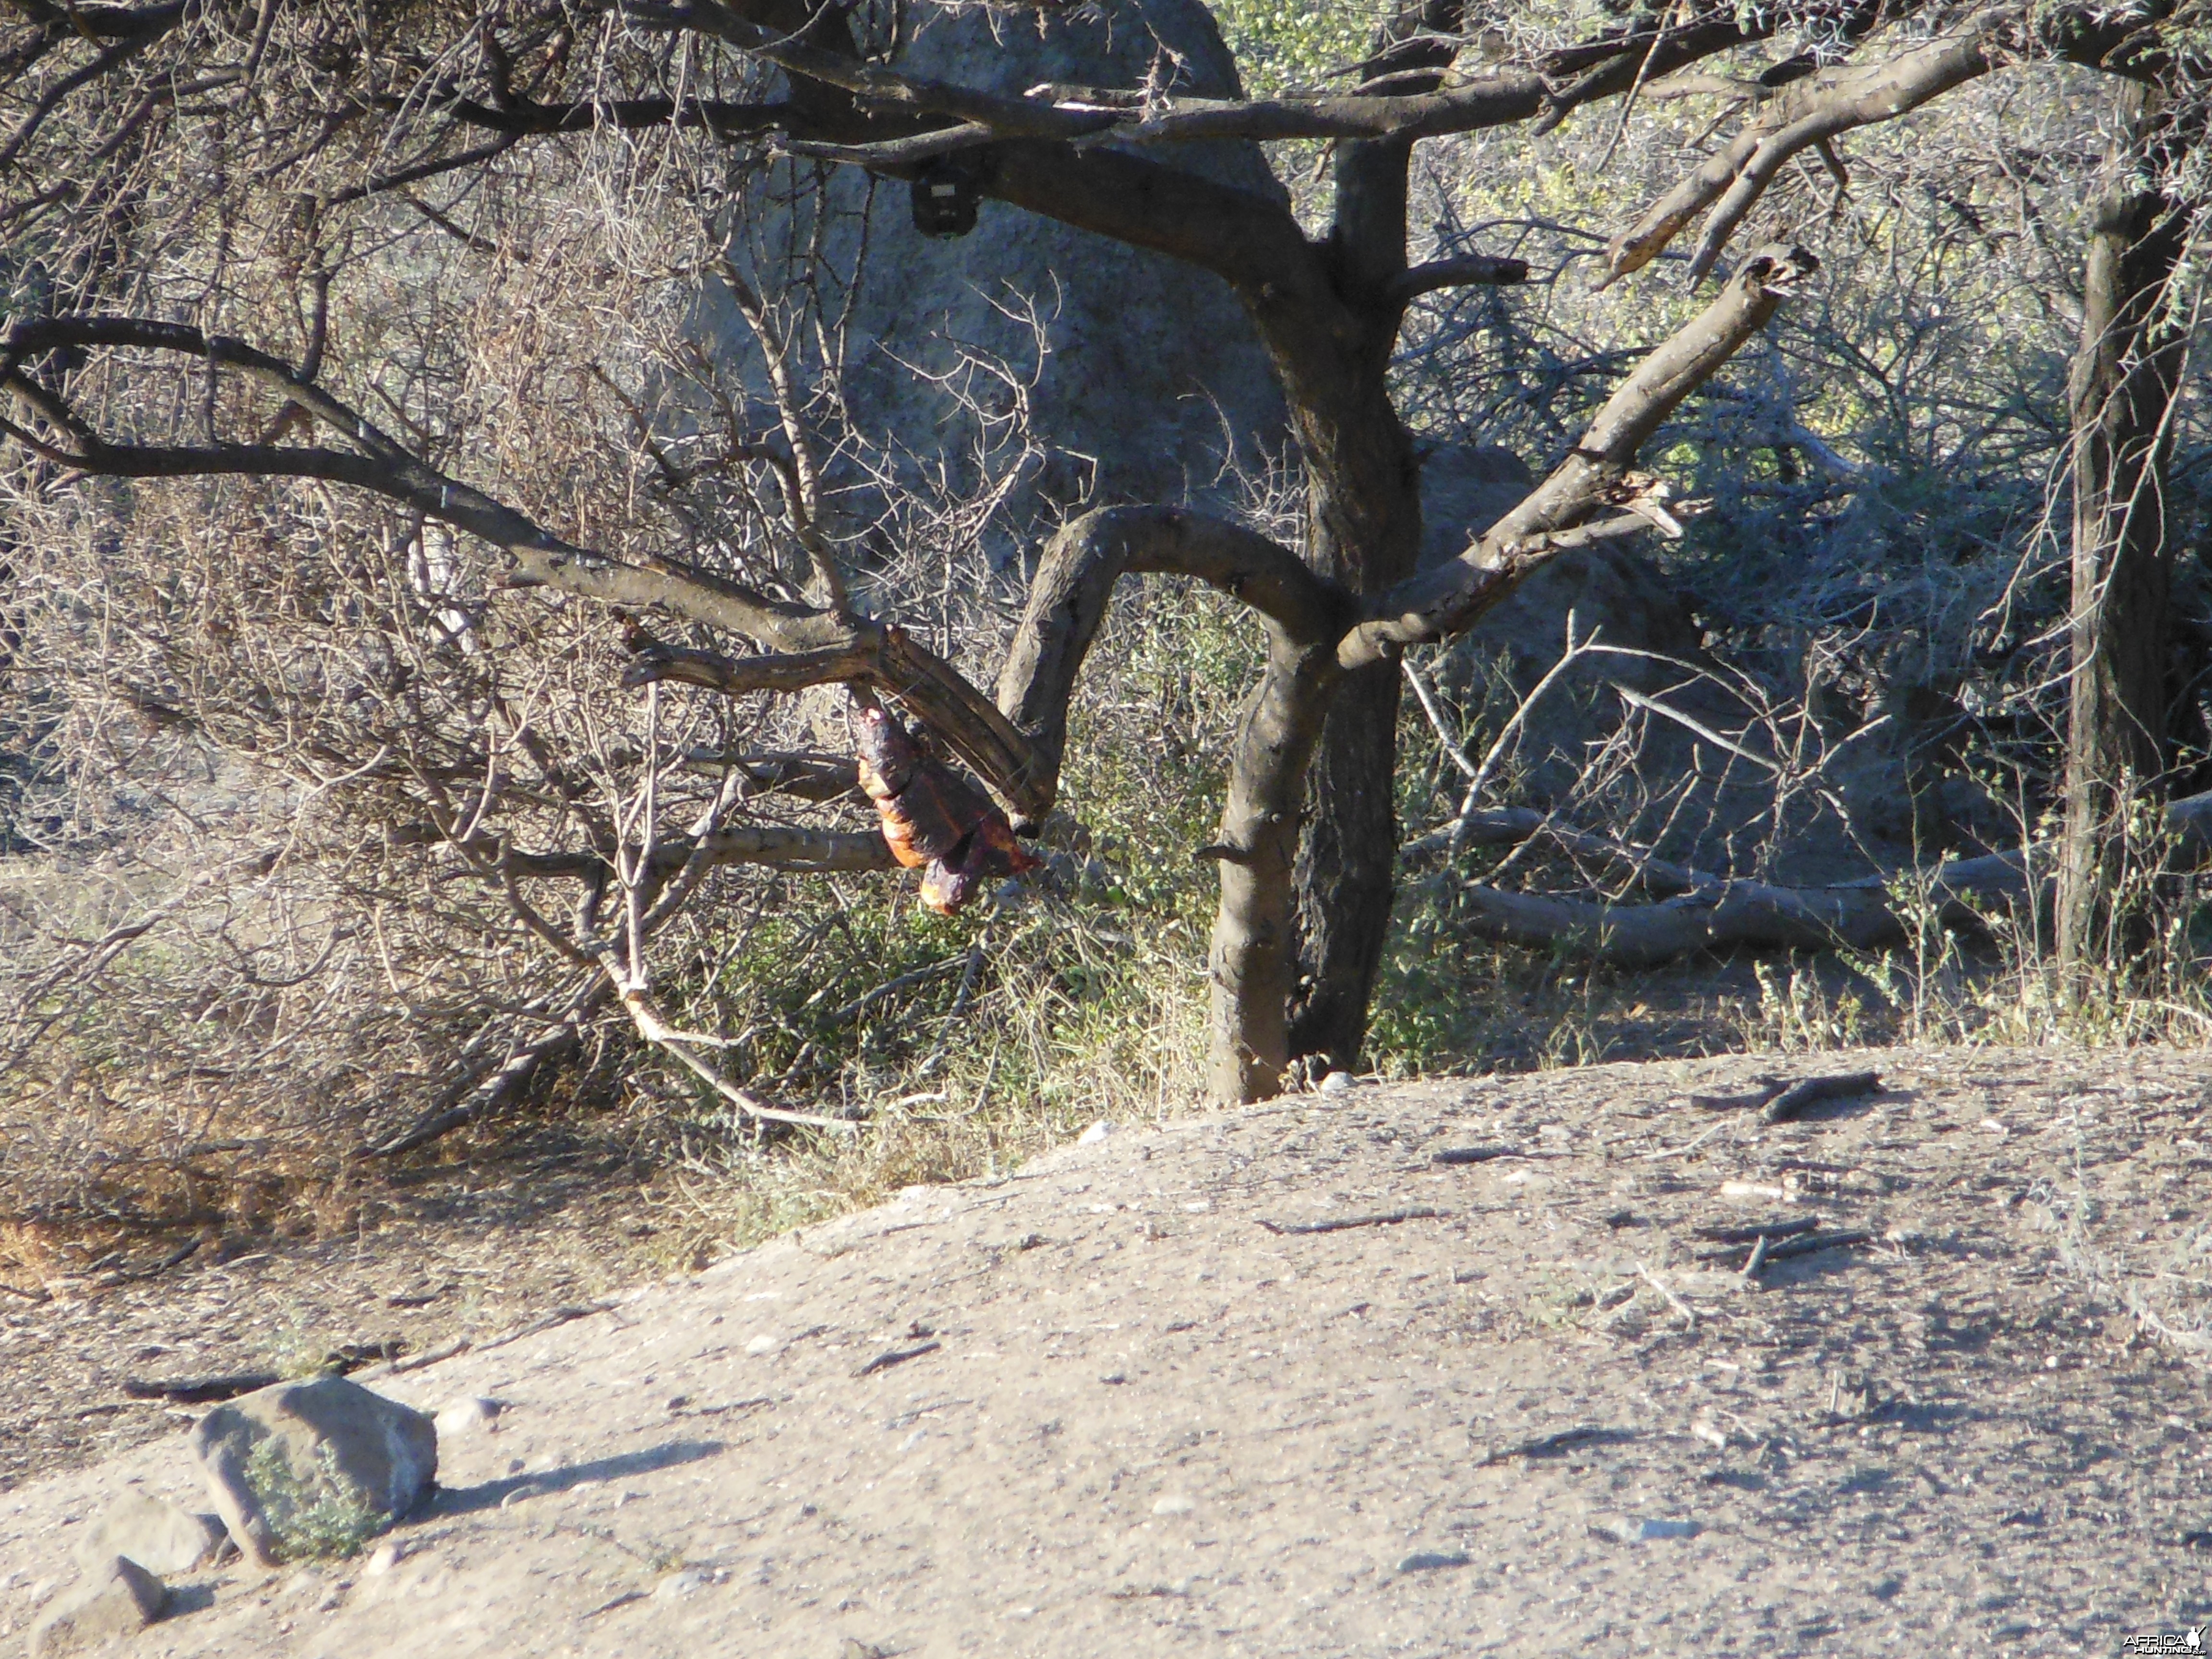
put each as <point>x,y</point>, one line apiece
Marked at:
<point>314,1468</point>
<point>121,1598</point>
<point>158,1535</point>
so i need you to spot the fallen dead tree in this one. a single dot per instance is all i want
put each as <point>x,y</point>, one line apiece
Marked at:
<point>1711,912</point>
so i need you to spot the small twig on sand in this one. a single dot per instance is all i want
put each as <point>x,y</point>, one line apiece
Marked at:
<point>1735,1238</point>
<point>1813,1242</point>
<point>199,1390</point>
<point>1814,1089</point>
<point>458,1346</point>
<point>1387,1219</point>
<point>1687,1146</point>
<point>1474,1154</point>
<point>1689,1314</point>
<point>1757,1261</point>
<point>558,1317</point>
<point>883,1361</point>
<point>1549,1442</point>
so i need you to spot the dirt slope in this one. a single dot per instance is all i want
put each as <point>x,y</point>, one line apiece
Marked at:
<point>1146,1418</point>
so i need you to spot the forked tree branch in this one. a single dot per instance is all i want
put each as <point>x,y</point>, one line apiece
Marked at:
<point>1552,86</point>
<point>1076,575</point>
<point>1463,270</point>
<point>1811,112</point>
<point>1448,598</point>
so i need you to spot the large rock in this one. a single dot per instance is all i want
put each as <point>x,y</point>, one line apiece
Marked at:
<point>118,1598</point>
<point>1465,490</point>
<point>314,1468</point>
<point>1147,374</point>
<point>156,1535</point>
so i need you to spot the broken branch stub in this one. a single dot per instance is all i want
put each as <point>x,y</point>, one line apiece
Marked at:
<point>1449,598</point>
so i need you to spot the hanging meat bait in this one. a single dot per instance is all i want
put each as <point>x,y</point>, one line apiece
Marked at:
<point>934,820</point>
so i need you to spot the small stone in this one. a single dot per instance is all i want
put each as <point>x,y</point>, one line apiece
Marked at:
<point>853,1647</point>
<point>1626,1531</point>
<point>161,1537</point>
<point>313,1467</point>
<point>1431,1560</point>
<point>1336,1083</point>
<point>121,1599</point>
<point>678,1585</point>
<point>1097,1133</point>
<point>761,1343</point>
<point>385,1557</point>
<point>1174,1503</point>
<point>467,1415</point>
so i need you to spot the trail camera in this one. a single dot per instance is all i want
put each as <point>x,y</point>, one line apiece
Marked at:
<point>945,198</point>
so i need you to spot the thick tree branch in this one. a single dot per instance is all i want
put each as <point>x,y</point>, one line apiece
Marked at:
<point>725,119</point>
<point>1448,599</point>
<point>1464,271</point>
<point>1251,241</point>
<point>1860,917</point>
<point>1459,104</point>
<point>884,655</point>
<point>1076,576</point>
<point>1807,112</point>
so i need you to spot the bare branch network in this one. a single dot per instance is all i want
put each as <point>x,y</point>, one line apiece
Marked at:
<point>386,107</point>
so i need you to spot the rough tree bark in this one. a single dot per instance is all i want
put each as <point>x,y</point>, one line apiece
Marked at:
<point>2134,346</point>
<point>1364,531</point>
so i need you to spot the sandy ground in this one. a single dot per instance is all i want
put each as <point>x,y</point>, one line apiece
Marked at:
<point>1139,1413</point>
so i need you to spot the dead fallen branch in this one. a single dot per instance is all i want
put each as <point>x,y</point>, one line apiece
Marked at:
<point>558,1317</point>
<point>1737,1236</point>
<point>1545,1445</point>
<point>1474,1154</point>
<point>1767,1088</point>
<point>1800,1097</point>
<point>415,1362</point>
<point>1387,1219</point>
<point>199,1390</point>
<point>1685,1148</point>
<point>1714,913</point>
<point>1857,917</point>
<point>883,1361</point>
<point>1814,1243</point>
<point>1688,1313</point>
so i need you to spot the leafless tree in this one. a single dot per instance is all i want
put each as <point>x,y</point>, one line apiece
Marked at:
<point>108,99</point>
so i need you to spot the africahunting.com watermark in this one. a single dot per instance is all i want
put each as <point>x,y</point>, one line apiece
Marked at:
<point>2192,1640</point>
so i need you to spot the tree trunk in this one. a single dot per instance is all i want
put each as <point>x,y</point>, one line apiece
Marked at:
<point>1250,962</point>
<point>1365,532</point>
<point>2122,391</point>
